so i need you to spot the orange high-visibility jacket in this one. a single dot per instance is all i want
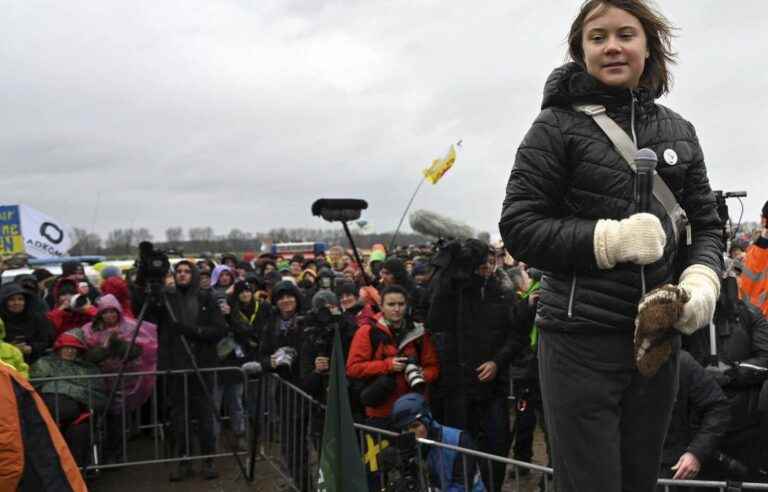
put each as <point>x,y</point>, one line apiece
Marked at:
<point>30,441</point>
<point>754,278</point>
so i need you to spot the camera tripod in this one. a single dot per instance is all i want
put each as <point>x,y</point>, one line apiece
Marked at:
<point>155,297</point>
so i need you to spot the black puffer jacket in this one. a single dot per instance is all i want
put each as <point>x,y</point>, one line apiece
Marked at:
<point>567,176</point>
<point>701,415</point>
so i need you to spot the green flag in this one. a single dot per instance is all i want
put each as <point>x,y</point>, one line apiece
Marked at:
<point>341,465</point>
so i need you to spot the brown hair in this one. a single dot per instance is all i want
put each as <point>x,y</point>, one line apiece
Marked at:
<point>658,31</point>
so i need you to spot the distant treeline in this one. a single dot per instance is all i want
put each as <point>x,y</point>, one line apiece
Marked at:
<point>125,242</point>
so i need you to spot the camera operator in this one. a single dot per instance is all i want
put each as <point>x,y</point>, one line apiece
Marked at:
<point>186,310</point>
<point>477,332</point>
<point>754,278</point>
<point>700,419</point>
<point>387,350</point>
<point>741,338</point>
<point>447,469</point>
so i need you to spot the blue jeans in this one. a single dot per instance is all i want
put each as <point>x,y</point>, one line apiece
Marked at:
<point>230,395</point>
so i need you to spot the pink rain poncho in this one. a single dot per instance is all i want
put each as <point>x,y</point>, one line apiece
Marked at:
<point>134,390</point>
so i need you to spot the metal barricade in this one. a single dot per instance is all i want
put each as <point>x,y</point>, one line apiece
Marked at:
<point>155,416</point>
<point>290,423</point>
<point>286,431</point>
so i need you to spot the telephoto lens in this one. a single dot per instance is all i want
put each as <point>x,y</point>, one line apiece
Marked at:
<point>414,374</point>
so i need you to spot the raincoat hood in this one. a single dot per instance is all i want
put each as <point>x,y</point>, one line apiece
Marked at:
<point>109,302</point>
<point>217,273</point>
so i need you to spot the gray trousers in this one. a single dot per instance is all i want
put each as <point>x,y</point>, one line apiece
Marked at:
<point>606,428</point>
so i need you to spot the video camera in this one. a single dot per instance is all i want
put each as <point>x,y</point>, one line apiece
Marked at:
<point>151,268</point>
<point>318,326</point>
<point>458,259</point>
<point>400,464</point>
<point>722,211</point>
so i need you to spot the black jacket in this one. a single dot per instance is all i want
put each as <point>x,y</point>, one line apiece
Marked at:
<point>196,316</point>
<point>29,326</point>
<point>567,175</point>
<point>478,326</point>
<point>282,333</point>
<point>701,415</point>
<point>742,336</point>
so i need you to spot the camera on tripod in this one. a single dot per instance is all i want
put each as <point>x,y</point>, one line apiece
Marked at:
<point>458,259</point>
<point>151,268</point>
<point>722,211</point>
<point>318,326</point>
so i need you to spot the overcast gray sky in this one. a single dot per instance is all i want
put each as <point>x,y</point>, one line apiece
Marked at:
<point>240,114</point>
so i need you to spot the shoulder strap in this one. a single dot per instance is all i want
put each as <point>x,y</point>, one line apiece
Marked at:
<point>627,148</point>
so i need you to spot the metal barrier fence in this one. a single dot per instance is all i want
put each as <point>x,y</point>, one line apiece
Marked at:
<point>291,423</point>
<point>286,430</point>
<point>152,417</point>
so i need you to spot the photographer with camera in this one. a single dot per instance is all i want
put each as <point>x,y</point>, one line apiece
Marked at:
<point>393,355</point>
<point>73,307</point>
<point>447,470</point>
<point>187,319</point>
<point>741,344</point>
<point>477,331</point>
<point>699,422</point>
<point>280,352</point>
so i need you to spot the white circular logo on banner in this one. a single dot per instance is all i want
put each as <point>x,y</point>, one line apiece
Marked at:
<point>670,157</point>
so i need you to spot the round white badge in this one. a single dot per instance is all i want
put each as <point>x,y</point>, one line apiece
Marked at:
<point>670,157</point>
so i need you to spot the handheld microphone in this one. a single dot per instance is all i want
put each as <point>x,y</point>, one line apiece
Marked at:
<point>645,164</point>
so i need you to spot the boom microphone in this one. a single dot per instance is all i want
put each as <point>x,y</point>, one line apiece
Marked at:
<point>339,209</point>
<point>645,163</point>
<point>437,226</point>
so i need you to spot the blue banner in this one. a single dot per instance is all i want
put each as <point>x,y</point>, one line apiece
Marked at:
<point>11,240</point>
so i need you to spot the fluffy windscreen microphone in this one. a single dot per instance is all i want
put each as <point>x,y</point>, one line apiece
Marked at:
<point>438,226</point>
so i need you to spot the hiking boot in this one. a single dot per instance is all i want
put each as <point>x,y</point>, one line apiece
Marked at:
<point>181,471</point>
<point>209,470</point>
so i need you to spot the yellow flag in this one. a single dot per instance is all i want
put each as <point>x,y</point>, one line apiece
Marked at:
<point>440,166</point>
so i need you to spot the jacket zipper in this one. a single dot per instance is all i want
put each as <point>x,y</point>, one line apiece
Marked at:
<point>573,295</point>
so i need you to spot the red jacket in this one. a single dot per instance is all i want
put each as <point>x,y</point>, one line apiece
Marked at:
<point>364,363</point>
<point>64,319</point>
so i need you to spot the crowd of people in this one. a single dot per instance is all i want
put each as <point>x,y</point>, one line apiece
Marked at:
<point>454,323</point>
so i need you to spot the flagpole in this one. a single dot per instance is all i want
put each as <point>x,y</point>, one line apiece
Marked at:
<point>407,207</point>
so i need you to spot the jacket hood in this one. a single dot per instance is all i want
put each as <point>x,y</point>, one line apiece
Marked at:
<point>570,84</point>
<point>286,287</point>
<point>194,285</point>
<point>217,273</point>
<point>61,282</point>
<point>12,289</point>
<point>109,302</point>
